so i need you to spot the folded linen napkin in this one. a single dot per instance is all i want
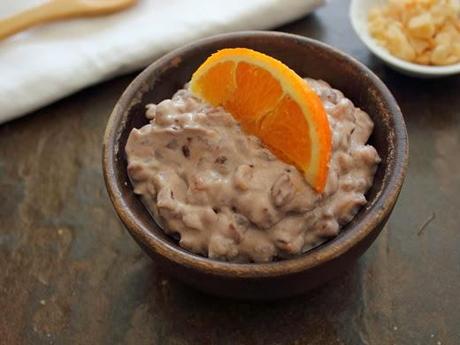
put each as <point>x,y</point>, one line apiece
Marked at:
<point>44,64</point>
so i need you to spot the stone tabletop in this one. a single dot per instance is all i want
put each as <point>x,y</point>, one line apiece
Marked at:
<point>70,273</point>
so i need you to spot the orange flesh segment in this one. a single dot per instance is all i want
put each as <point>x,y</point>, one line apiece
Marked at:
<point>287,140</point>
<point>272,102</point>
<point>219,79</point>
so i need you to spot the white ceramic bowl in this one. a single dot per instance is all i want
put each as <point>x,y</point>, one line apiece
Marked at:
<point>359,10</point>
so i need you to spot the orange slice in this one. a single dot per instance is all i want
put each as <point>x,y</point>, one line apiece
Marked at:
<point>272,102</point>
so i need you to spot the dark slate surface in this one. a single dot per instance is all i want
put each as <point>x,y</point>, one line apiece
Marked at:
<point>70,274</point>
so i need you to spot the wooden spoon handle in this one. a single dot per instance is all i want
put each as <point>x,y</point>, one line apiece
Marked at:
<point>47,12</point>
<point>60,9</point>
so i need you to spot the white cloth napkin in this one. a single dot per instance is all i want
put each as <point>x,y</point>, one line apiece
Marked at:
<point>44,64</point>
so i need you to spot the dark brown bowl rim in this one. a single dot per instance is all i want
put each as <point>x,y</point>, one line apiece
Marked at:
<point>334,248</point>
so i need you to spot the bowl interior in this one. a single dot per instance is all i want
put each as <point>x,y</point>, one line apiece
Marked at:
<point>309,59</point>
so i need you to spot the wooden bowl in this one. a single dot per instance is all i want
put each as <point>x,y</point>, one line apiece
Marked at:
<point>282,278</point>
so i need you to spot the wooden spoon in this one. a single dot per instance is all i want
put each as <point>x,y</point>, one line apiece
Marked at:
<point>60,9</point>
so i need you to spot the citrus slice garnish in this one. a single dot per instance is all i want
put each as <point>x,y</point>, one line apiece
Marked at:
<point>272,102</point>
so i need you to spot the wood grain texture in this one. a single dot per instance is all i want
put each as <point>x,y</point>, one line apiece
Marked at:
<point>70,273</point>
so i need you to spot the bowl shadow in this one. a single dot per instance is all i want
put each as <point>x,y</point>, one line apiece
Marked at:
<point>190,316</point>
